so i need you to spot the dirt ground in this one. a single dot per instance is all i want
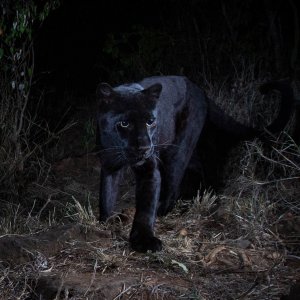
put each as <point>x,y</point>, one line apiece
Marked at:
<point>199,261</point>
<point>206,254</point>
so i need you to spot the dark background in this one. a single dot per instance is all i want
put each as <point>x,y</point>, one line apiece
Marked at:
<point>85,42</point>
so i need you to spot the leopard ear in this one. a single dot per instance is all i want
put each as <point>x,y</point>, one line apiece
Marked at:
<point>104,92</point>
<point>153,91</point>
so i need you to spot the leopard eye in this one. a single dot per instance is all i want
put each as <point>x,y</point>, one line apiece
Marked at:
<point>124,124</point>
<point>150,122</point>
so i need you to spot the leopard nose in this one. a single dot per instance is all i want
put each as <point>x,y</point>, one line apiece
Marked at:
<point>145,151</point>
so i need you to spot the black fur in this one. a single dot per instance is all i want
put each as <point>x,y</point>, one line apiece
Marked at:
<point>155,126</point>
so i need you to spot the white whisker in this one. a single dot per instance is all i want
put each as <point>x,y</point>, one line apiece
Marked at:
<point>165,145</point>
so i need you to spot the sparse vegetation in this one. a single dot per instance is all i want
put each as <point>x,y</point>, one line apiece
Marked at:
<point>206,255</point>
<point>21,133</point>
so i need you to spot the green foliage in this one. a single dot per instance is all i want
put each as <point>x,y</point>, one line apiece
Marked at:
<point>19,21</point>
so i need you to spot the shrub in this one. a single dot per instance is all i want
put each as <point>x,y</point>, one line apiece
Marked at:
<point>18,149</point>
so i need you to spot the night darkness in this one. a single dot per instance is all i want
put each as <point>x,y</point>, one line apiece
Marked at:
<point>70,44</point>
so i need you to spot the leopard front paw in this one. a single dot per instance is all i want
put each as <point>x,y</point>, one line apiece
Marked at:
<point>142,243</point>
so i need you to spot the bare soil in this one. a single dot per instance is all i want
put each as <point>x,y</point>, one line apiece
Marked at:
<point>199,261</point>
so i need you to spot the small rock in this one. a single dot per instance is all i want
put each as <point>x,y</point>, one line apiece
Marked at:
<point>183,232</point>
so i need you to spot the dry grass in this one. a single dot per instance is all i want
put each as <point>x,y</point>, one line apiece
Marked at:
<point>81,214</point>
<point>210,252</point>
<point>239,96</point>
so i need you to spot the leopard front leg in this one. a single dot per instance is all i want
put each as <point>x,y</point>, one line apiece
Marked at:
<point>148,182</point>
<point>109,187</point>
